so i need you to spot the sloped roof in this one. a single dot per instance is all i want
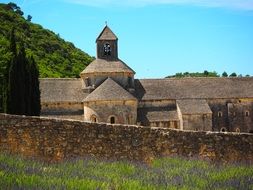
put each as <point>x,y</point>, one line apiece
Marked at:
<point>194,88</point>
<point>193,106</point>
<point>153,114</point>
<point>104,66</point>
<point>107,34</point>
<point>61,90</point>
<point>109,90</point>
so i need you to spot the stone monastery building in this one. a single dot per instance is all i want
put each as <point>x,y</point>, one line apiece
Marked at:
<point>108,92</point>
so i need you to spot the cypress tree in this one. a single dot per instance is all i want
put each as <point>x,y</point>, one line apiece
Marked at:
<point>28,91</point>
<point>34,89</point>
<point>22,94</point>
<point>6,85</point>
<point>17,83</point>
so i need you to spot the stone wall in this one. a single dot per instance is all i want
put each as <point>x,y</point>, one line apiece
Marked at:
<point>233,114</point>
<point>63,110</point>
<point>124,111</point>
<point>54,139</point>
<point>240,116</point>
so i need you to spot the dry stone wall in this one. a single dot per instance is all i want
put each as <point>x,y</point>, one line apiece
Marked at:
<point>55,139</point>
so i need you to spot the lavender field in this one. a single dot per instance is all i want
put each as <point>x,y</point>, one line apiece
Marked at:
<point>166,173</point>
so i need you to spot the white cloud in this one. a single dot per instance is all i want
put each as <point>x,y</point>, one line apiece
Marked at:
<point>234,4</point>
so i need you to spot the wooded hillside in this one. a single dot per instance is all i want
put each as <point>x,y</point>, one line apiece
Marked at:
<point>55,57</point>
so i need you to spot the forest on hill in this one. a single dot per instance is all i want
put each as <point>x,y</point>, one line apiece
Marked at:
<point>55,57</point>
<point>205,74</point>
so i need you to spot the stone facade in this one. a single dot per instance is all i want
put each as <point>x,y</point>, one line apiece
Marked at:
<point>108,93</point>
<point>123,112</point>
<point>55,139</point>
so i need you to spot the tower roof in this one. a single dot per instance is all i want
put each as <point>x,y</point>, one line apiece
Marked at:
<point>104,66</point>
<point>107,34</point>
<point>109,90</point>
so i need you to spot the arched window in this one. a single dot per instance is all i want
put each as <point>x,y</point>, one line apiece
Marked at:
<point>219,114</point>
<point>94,119</point>
<point>112,119</point>
<point>223,129</point>
<point>107,49</point>
<point>247,113</point>
<point>87,81</point>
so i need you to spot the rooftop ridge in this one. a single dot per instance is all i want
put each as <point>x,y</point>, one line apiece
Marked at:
<point>181,78</point>
<point>109,90</point>
<point>107,34</point>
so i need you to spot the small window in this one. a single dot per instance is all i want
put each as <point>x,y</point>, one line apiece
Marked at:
<point>234,114</point>
<point>87,81</point>
<point>94,119</point>
<point>223,129</point>
<point>107,49</point>
<point>247,113</point>
<point>129,81</point>
<point>219,114</point>
<point>112,120</point>
<point>237,130</point>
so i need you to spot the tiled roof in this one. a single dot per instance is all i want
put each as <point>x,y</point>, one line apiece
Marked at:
<point>70,90</point>
<point>109,90</point>
<point>194,88</point>
<point>153,114</point>
<point>104,66</point>
<point>107,34</point>
<point>61,90</point>
<point>193,106</point>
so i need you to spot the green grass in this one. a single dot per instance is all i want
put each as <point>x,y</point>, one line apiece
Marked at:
<point>165,173</point>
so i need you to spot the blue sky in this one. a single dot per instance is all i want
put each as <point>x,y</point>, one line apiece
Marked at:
<point>157,37</point>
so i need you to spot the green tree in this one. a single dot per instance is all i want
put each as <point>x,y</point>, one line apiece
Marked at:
<point>17,83</point>
<point>6,85</point>
<point>233,75</point>
<point>16,8</point>
<point>33,90</point>
<point>29,18</point>
<point>206,73</point>
<point>224,74</point>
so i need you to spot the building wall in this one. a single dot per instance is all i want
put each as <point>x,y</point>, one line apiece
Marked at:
<point>227,107</point>
<point>114,49</point>
<point>227,120</point>
<point>197,122</point>
<point>171,104</point>
<point>180,116</point>
<point>165,124</point>
<point>53,139</point>
<point>64,110</point>
<point>240,116</point>
<point>125,112</point>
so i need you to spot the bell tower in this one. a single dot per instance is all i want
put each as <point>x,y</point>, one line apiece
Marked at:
<point>107,64</point>
<point>107,45</point>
